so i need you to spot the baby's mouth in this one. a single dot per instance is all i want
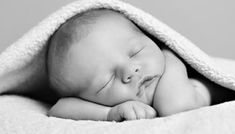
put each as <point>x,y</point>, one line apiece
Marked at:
<point>145,83</point>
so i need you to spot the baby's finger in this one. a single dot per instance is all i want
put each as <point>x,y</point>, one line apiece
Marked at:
<point>129,115</point>
<point>140,112</point>
<point>150,112</point>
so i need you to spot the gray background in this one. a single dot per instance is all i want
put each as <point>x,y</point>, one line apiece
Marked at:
<point>207,23</point>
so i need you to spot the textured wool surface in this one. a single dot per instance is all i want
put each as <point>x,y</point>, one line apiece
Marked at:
<point>22,66</point>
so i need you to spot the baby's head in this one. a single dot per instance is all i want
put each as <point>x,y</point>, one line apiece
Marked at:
<point>103,57</point>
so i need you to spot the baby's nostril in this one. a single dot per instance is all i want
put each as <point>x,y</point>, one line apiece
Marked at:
<point>136,70</point>
<point>127,79</point>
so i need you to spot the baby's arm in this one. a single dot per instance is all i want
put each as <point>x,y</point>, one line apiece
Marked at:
<point>78,109</point>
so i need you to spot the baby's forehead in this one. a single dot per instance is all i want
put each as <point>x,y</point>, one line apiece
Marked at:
<point>94,18</point>
<point>108,21</point>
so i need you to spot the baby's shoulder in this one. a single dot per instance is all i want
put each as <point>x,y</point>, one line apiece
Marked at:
<point>173,61</point>
<point>202,91</point>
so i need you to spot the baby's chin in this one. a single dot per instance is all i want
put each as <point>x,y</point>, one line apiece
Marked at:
<point>149,95</point>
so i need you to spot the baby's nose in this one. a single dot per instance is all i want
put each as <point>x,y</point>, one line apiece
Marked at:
<point>130,72</point>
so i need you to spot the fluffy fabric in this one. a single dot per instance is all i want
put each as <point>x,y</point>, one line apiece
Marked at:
<point>19,115</point>
<point>22,68</point>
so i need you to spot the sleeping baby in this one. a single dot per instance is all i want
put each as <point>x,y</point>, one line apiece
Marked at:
<point>104,67</point>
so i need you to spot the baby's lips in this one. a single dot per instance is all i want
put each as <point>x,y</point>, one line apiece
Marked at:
<point>147,90</point>
<point>147,81</point>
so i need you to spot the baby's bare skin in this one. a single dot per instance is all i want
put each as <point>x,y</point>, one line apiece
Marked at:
<point>197,96</point>
<point>191,92</point>
<point>122,60</point>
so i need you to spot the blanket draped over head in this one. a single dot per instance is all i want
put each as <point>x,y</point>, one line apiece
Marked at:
<point>23,69</point>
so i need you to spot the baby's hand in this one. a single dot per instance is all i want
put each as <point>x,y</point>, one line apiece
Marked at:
<point>131,110</point>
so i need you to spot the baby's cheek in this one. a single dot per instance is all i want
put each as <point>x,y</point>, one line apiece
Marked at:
<point>119,94</point>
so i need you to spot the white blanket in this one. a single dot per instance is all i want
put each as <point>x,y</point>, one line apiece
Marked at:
<point>22,68</point>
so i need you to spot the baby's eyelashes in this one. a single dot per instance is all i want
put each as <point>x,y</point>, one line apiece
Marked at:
<point>135,51</point>
<point>108,83</point>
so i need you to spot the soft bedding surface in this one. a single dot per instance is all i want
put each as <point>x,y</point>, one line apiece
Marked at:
<point>20,115</point>
<point>22,68</point>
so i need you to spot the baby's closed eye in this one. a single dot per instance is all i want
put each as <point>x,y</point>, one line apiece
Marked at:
<point>136,50</point>
<point>107,84</point>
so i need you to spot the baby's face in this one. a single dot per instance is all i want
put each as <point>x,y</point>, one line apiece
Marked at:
<point>116,62</point>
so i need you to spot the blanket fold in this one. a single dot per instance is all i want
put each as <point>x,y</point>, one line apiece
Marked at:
<point>23,68</point>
